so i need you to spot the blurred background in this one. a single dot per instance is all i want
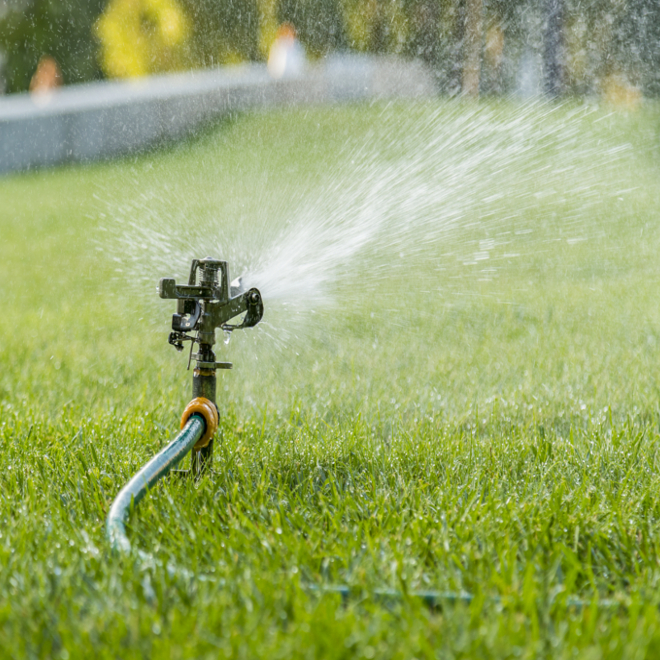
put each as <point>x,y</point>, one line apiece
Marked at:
<point>557,47</point>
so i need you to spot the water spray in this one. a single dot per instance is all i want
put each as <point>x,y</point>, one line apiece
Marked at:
<point>202,308</point>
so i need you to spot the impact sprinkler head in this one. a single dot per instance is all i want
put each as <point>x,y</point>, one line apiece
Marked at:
<point>205,306</point>
<point>202,308</point>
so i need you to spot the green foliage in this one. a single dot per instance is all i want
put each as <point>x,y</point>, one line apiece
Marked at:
<point>319,23</point>
<point>600,39</point>
<point>444,432</point>
<point>60,28</point>
<point>223,31</point>
<point>141,37</point>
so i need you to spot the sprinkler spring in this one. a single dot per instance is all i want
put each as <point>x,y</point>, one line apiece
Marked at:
<point>202,308</point>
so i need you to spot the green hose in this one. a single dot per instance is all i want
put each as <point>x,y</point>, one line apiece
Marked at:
<point>440,599</point>
<point>168,458</point>
<point>148,476</point>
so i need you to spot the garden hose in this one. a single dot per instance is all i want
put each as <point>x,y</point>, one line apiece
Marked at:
<point>194,429</point>
<point>131,494</point>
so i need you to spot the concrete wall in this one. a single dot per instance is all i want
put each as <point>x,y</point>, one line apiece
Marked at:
<point>99,120</point>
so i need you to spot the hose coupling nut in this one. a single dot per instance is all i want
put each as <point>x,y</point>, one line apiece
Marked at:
<point>206,409</point>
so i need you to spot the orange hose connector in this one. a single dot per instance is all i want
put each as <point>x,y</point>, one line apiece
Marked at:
<point>206,409</point>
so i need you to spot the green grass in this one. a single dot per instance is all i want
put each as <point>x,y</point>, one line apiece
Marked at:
<point>446,431</point>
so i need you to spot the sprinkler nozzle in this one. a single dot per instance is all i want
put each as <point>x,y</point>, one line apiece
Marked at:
<point>205,306</point>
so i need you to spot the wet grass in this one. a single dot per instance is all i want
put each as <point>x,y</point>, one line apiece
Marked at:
<point>495,435</point>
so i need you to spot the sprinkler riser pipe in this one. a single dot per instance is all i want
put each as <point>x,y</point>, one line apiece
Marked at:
<point>204,385</point>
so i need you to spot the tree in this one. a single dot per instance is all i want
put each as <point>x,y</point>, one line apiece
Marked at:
<point>319,23</point>
<point>473,39</point>
<point>59,28</point>
<point>223,31</point>
<point>553,55</point>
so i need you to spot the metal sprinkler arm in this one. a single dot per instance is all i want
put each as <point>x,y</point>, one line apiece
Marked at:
<point>207,306</point>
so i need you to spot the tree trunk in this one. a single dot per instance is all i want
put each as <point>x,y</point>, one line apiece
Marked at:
<point>472,47</point>
<point>553,55</point>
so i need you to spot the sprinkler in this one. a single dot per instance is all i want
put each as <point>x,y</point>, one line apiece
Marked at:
<point>202,308</point>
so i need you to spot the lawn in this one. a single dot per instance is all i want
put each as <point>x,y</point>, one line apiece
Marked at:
<point>455,388</point>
